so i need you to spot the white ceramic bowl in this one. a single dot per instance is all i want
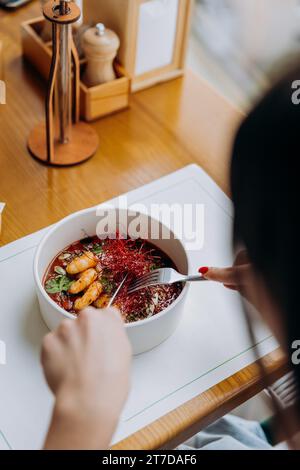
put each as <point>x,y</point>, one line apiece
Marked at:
<point>143,334</point>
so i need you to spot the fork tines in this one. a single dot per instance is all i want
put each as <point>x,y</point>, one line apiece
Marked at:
<point>285,389</point>
<point>144,281</point>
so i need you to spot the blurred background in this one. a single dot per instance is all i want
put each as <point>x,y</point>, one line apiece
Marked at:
<point>240,45</point>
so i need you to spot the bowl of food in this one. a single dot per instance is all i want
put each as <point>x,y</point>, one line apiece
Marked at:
<point>81,262</point>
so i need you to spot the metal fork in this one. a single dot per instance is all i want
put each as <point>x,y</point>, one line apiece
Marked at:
<point>116,292</point>
<point>161,277</point>
<point>285,390</point>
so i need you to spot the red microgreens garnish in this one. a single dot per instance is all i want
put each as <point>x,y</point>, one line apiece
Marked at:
<point>121,256</point>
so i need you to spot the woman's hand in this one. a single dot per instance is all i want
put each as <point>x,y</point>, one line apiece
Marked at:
<point>239,277</point>
<point>86,364</point>
<point>251,285</point>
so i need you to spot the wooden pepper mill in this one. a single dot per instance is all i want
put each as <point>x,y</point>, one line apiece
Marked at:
<point>100,46</point>
<point>64,140</point>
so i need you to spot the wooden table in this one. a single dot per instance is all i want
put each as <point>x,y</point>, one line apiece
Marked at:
<point>166,128</point>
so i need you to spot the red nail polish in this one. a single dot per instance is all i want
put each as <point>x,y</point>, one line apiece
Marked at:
<point>203,270</point>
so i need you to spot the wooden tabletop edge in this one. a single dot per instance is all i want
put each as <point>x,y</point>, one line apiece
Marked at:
<point>185,421</point>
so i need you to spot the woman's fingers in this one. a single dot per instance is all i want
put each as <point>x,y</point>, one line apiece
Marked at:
<point>223,275</point>
<point>230,286</point>
<point>235,276</point>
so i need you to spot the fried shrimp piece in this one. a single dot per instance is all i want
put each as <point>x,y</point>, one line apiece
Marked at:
<point>102,301</point>
<point>85,280</point>
<point>81,263</point>
<point>90,295</point>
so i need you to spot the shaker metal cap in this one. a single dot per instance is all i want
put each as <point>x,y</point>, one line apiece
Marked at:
<point>100,27</point>
<point>101,39</point>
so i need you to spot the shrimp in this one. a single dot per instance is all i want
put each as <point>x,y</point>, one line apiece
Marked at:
<point>90,295</point>
<point>81,263</point>
<point>102,301</point>
<point>85,280</point>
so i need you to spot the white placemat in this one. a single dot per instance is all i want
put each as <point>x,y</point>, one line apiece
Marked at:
<point>210,344</point>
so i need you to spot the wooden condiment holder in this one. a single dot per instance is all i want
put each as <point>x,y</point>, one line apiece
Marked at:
<point>95,102</point>
<point>144,28</point>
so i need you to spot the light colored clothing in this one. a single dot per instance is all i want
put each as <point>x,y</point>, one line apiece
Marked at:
<point>229,433</point>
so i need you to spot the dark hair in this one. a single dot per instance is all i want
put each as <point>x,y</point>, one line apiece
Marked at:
<point>265,186</point>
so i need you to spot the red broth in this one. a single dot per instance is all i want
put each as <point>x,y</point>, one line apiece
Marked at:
<point>115,258</point>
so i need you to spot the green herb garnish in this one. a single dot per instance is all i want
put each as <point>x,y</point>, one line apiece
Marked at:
<point>154,266</point>
<point>107,284</point>
<point>60,270</point>
<point>64,256</point>
<point>60,283</point>
<point>97,249</point>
